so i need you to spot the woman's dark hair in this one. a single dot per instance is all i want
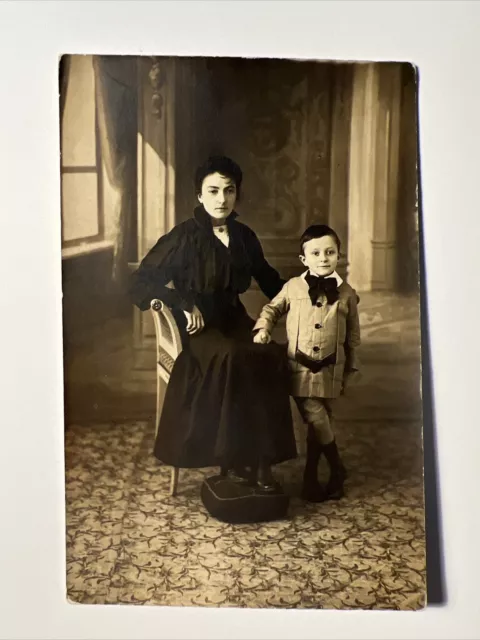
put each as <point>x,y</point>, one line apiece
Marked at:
<point>318,231</point>
<point>222,165</point>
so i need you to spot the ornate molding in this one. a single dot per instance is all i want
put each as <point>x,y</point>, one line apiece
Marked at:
<point>157,77</point>
<point>383,244</point>
<point>318,133</point>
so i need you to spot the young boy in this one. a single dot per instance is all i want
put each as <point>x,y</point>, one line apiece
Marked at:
<point>323,332</point>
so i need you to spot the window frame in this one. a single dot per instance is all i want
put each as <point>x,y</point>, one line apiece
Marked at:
<point>86,243</point>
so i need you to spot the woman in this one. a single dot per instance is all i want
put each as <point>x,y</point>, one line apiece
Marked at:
<point>227,402</point>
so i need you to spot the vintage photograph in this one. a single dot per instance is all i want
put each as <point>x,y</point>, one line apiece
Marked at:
<point>241,326</point>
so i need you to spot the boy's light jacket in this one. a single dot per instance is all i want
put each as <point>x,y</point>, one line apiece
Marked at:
<point>318,332</point>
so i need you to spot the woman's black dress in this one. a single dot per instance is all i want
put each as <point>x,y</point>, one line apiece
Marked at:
<point>227,402</point>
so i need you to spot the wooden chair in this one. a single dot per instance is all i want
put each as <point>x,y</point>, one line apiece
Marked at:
<point>169,346</point>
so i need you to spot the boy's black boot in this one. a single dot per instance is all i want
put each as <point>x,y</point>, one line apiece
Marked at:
<point>338,473</point>
<point>312,490</point>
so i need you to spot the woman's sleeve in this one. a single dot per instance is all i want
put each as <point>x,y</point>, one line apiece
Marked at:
<point>268,278</point>
<point>156,271</point>
<point>353,334</point>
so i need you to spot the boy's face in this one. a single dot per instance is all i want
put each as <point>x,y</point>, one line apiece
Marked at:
<point>320,255</point>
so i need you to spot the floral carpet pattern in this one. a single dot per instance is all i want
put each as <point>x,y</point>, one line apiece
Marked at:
<point>128,541</point>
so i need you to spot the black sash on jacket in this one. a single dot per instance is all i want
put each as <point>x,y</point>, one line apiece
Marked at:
<point>315,365</point>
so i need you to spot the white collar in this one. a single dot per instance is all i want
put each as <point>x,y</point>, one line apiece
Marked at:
<point>332,275</point>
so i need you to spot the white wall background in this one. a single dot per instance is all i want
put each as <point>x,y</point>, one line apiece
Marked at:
<point>442,39</point>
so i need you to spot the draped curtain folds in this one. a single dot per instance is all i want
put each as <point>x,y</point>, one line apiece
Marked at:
<point>116,100</point>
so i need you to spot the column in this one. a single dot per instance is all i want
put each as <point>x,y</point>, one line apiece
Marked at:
<point>361,198</point>
<point>155,184</point>
<point>156,151</point>
<point>384,233</point>
<point>373,180</point>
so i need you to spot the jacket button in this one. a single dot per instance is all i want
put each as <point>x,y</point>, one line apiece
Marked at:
<point>319,304</point>
<point>318,326</point>
<point>316,348</point>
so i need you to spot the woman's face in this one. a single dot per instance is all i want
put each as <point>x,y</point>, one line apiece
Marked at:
<point>218,196</point>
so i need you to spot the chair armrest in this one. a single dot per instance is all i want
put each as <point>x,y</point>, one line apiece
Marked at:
<point>156,304</point>
<point>168,335</point>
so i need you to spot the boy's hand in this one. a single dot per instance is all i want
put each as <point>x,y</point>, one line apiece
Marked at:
<point>262,337</point>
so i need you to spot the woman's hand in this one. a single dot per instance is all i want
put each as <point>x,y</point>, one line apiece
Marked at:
<point>195,321</point>
<point>262,337</point>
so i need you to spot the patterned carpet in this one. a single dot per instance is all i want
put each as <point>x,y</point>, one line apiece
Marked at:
<point>129,542</point>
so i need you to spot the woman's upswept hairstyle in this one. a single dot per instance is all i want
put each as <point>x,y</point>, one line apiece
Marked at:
<point>222,165</point>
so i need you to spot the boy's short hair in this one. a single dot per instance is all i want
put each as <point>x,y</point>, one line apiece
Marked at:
<point>222,165</point>
<point>318,231</point>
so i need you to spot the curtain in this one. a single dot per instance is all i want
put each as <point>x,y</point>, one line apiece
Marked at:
<point>63,73</point>
<point>63,77</point>
<point>116,97</point>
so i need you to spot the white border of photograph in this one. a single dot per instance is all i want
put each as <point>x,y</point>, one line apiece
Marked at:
<point>441,39</point>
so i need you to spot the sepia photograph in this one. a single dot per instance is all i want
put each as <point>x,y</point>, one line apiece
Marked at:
<point>242,332</point>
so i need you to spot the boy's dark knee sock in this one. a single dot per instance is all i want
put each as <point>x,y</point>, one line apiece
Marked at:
<point>337,470</point>
<point>314,452</point>
<point>312,490</point>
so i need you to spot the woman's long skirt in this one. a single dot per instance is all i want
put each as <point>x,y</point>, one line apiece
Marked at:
<point>227,402</point>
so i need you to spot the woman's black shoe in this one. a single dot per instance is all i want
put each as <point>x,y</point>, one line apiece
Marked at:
<point>268,487</point>
<point>266,483</point>
<point>240,475</point>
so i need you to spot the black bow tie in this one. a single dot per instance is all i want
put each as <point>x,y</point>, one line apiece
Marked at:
<point>318,285</point>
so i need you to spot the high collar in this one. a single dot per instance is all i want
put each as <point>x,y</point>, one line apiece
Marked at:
<point>332,275</point>
<point>204,219</point>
